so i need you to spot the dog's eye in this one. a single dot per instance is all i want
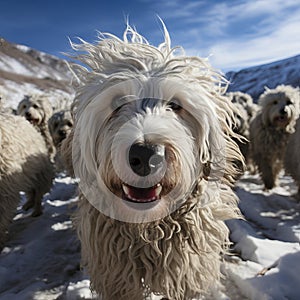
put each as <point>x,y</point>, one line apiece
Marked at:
<point>289,102</point>
<point>174,105</point>
<point>275,102</point>
<point>69,124</point>
<point>35,106</point>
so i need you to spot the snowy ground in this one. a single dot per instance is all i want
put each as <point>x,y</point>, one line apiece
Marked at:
<point>41,258</point>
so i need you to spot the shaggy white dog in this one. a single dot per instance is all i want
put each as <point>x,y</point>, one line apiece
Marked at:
<point>246,110</point>
<point>60,125</point>
<point>37,110</point>
<point>152,147</point>
<point>292,157</point>
<point>24,166</point>
<point>246,101</point>
<point>271,128</point>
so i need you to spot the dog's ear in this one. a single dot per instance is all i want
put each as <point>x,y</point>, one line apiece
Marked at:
<point>66,152</point>
<point>20,106</point>
<point>291,127</point>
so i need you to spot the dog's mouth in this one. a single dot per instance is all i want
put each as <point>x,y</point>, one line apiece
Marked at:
<point>281,120</point>
<point>33,121</point>
<point>141,195</point>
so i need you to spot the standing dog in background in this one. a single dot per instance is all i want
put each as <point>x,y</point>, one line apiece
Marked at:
<point>60,125</point>
<point>37,110</point>
<point>152,147</point>
<point>245,111</point>
<point>271,129</point>
<point>24,166</point>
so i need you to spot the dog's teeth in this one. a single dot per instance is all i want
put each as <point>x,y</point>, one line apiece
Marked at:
<point>129,194</point>
<point>158,190</point>
<point>125,189</point>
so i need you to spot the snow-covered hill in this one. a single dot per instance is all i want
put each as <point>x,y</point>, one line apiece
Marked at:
<point>24,70</point>
<point>254,80</point>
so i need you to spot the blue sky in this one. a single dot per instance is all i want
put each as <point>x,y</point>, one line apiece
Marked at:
<point>233,34</point>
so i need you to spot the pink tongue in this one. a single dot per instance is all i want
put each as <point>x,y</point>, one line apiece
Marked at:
<point>142,194</point>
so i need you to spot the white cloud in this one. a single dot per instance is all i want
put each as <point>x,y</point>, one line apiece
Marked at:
<point>237,34</point>
<point>280,43</point>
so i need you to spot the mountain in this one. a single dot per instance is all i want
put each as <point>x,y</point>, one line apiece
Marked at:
<point>24,70</point>
<point>254,80</point>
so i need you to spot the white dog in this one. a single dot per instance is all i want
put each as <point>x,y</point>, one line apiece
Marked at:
<point>271,128</point>
<point>246,101</point>
<point>24,166</point>
<point>246,110</point>
<point>37,110</point>
<point>152,147</point>
<point>60,125</point>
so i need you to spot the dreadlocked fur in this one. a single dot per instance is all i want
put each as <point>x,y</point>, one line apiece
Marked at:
<point>176,255</point>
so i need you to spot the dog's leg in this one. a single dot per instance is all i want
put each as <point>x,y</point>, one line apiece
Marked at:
<point>268,174</point>
<point>37,208</point>
<point>30,201</point>
<point>66,153</point>
<point>34,201</point>
<point>8,205</point>
<point>268,180</point>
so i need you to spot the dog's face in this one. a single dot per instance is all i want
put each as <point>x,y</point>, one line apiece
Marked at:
<point>60,125</point>
<point>36,109</point>
<point>280,109</point>
<point>147,144</point>
<point>150,131</point>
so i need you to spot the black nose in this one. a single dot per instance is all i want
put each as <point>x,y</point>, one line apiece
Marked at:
<point>145,159</point>
<point>62,133</point>
<point>28,114</point>
<point>283,111</point>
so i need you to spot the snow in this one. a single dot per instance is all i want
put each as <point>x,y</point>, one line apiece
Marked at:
<point>8,63</point>
<point>41,260</point>
<point>14,92</point>
<point>17,66</point>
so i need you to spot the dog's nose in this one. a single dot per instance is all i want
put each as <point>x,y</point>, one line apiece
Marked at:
<point>62,133</point>
<point>283,111</point>
<point>146,159</point>
<point>28,114</point>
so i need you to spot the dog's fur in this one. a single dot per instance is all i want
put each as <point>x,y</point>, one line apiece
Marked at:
<point>246,110</point>
<point>246,101</point>
<point>24,166</point>
<point>292,157</point>
<point>271,128</point>
<point>130,92</point>
<point>37,109</point>
<point>60,125</point>
<point>241,127</point>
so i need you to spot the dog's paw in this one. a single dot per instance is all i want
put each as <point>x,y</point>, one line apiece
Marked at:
<point>37,212</point>
<point>28,205</point>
